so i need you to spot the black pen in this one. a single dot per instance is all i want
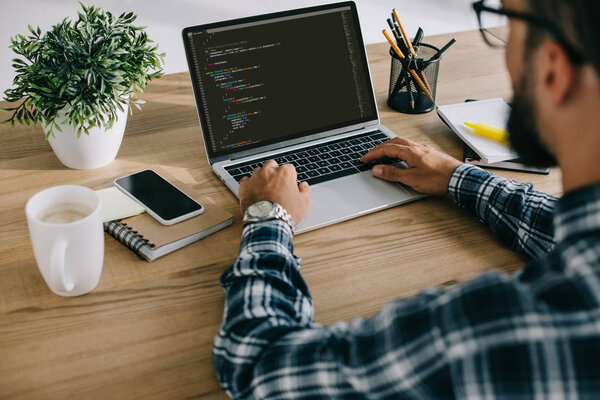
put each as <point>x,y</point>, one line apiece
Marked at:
<point>401,39</point>
<point>391,24</point>
<point>418,38</point>
<point>443,49</point>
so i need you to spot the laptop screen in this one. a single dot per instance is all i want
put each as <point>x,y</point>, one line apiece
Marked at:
<point>281,76</point>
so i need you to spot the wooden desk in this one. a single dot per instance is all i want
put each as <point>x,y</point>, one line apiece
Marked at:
<point>146,331</point>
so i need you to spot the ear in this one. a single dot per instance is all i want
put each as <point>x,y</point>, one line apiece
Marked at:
<point>558,76</point>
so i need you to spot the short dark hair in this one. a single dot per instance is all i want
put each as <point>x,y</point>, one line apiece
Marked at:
<point>578,21</point>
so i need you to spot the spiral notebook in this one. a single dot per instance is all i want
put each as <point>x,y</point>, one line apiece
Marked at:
<point>149,239</point>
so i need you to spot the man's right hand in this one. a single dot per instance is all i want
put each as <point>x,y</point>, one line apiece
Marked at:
<point>428,172</point>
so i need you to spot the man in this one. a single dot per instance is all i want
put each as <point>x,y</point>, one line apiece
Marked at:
<point>535,335</point>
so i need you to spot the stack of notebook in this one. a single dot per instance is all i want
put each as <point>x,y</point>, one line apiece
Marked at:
<point>149,239</point>
<point>480,150</point>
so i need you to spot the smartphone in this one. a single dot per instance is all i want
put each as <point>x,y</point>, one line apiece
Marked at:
<point>162,200</point>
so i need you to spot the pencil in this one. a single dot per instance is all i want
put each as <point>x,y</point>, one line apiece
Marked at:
<point>409,45</point>
<point>412,72</point>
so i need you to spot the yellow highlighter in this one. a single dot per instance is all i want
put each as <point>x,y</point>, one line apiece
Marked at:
<point>490,132</point>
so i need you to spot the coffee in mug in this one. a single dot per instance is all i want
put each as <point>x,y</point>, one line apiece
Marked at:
<point>65,225</point>
<point>64,213</point>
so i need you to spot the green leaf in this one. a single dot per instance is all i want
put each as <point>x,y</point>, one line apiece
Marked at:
<point>83,66</point>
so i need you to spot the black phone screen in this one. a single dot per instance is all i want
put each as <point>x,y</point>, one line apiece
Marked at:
<point>158,194</point>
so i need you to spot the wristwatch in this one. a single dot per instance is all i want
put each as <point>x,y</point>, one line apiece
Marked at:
<point>266,210</point>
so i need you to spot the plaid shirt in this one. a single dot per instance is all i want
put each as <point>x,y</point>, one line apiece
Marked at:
<point>533,335</point>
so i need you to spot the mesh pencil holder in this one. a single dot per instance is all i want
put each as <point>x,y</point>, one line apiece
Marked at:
<point>418,96</point>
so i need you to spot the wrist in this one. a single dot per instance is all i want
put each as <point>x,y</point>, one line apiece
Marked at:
<point>265,210</point>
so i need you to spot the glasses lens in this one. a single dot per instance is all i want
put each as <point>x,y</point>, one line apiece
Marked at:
<point>494,25</point>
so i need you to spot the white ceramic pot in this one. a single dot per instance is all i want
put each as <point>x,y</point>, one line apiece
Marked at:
<point>95,150</point>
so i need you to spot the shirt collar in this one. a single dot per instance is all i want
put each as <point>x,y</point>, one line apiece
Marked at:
<point>578,213</point>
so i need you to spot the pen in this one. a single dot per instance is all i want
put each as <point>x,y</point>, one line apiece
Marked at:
<point>410,92</point>
<point>398,38</point>
<point>417,40</point>
<point>409,45</point>
<point>490,132</point>
<point>443,49</point>
<point>412,72</point>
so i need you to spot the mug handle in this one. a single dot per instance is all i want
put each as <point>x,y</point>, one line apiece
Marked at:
<point>57,266</point>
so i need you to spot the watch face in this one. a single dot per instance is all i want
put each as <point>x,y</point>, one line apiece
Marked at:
<point>261,209</point>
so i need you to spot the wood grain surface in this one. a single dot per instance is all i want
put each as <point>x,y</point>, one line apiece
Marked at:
<point>146,331</point>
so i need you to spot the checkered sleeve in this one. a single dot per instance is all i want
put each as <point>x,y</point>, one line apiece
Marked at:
<point>519,216</point>
<point>270,347</point>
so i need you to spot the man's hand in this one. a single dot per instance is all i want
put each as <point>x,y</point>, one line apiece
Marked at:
<point>277,184</point>
<point>428,172</point>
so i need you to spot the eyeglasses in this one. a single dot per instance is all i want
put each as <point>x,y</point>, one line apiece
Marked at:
<point>490,18</point>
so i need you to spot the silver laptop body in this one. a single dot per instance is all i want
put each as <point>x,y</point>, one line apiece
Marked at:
<point>238,70</point>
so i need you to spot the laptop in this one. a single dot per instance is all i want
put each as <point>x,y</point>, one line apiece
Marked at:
<point>293,86</point>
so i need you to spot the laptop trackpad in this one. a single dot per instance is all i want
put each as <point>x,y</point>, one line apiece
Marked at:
<point>350,197</point>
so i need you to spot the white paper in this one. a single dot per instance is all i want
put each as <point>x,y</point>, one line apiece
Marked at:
<point>493,112</point>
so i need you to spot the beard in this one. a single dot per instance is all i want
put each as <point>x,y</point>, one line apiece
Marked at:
<point>524,136</point>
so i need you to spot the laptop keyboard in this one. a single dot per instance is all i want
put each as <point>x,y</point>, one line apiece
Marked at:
<point>324,162</point>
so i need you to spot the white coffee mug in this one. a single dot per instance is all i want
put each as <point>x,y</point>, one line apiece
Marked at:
<point>68,254</point>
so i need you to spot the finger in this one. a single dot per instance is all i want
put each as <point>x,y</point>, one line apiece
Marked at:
<point>305,191</point>
<point>303,187</point>
<point>270,163</point>
<point>387,150</point>
<point>288,169</point>
<point>397,140</point>
<point>390,173</point>
<point>402,141</point>
<point>244,179</point>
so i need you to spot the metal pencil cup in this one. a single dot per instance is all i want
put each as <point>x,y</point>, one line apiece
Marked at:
<point>414,98</point>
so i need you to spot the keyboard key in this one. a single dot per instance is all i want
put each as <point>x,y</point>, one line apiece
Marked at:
<point>334,175</point>
<point>323,163</point>
<point>365,139</point>
<point>335,168</point>
<point>234,171</point>
<point>314,158</point>
<point>336,153</point>
<point>302,154</point>
<point>280,160</point>
<point>364,167</point>
<point>345,144</point>
<point>312,174</point>
<point>313,152</point>
<point>302,177</point>
<point>291,157</point>
<point>312,166</point>
<point>379,135</point>
<point>323,170</point>
<point>246,169</point>
<point>301,169</point>
<point>355,141</point>
<point>344,158</point>
<point>303,161</point>
<point>345,165</point>
<point>323,149</point>
<point>356,162</point>
<point>346,150</point>
<point>335,146</point>
<point>355,156</point>
<point>333,161</point>
<point>357,148</point>
<point>325,156</point>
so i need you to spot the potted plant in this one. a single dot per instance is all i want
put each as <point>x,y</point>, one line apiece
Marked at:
<point>78,80</point>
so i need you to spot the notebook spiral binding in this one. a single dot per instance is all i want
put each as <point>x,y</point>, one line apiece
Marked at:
<point>127,236</point>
